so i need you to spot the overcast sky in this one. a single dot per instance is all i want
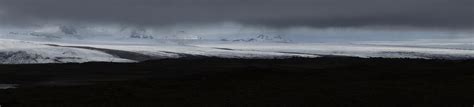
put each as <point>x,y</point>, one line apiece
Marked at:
<point>272,13</point>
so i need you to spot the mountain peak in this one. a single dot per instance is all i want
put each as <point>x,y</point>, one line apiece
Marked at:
<point>259,38</point>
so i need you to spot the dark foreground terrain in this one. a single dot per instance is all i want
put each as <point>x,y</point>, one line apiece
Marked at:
<point>350,82</point>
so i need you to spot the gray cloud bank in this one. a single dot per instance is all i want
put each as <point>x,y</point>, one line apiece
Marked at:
<point>272,13</point>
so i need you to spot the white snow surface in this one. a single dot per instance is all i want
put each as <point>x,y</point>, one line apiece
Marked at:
<point>364,50</point>
<point>15,51</point>
<point>25,52</point>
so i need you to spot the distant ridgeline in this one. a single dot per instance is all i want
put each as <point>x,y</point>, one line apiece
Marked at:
<point>260,37</point>
<point>137,33</point>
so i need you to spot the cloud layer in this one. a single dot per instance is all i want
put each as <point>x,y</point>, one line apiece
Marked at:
<point>272,13</point>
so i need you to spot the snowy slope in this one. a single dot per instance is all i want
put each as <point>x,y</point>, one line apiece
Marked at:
<point>66,43</point>
<point>175,50</point>
<point>275,50</point>
<point>357,50</point>
<point>20,51</point>
<point>16,52</point>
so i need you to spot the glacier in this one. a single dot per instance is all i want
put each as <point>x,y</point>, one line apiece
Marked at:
<point>79,44</point>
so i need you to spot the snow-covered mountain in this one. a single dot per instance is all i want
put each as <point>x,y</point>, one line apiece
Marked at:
<point>259,38</point>
<point>133,33</point>
<point>19,52</point>
<point>66,43</point>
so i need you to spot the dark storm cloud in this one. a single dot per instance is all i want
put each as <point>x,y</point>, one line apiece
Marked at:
<point>277,13</point>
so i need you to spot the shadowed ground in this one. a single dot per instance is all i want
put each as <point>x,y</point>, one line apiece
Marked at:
<point>334,81</point>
